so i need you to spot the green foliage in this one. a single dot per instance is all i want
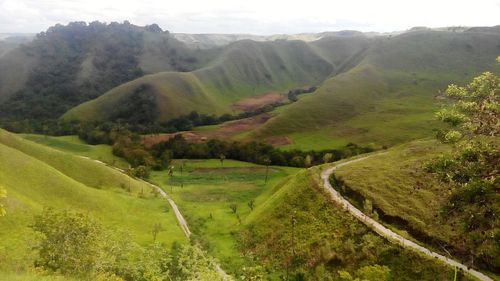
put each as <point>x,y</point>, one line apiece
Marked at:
<point>74,244</point>
<point>70,244</point>
<point>471,170</point>
<point>254,152</point>
<point>299,231</point>
<point>367,273</point>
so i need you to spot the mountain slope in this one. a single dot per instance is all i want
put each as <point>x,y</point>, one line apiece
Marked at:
<point>68,65</point>
<point>246,68</point>
<point>37,177</point>
<point>390,95</point>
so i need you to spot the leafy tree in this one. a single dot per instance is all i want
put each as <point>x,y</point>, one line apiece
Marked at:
<point>308,161</point>
<point>471,169</point>
<point>193,264</point>
<point>70,242</point>
<point>327,157</point>
<point>3,194</point>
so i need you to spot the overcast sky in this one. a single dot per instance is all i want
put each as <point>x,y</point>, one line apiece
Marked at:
<point>252,16</point>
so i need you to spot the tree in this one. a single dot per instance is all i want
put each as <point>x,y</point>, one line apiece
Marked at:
<point>157,228</point>
<point>70,242</point>
<point>471,169</point>
<point>327,157</point>
<point>251,204</point>
<point>222,157</point>
<point>308,161</point>
<point>3,194</point>
<point>266,162</point>
<point>233,207</point>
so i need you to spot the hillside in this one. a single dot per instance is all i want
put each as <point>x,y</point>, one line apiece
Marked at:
<point>68,65</point>
<point>299,232</point>
<point>37,177</point>
<point>245,68</point>
<point>390,95</point>
<point>407,197</point>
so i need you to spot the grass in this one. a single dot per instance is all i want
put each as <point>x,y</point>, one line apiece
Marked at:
<point>37,176</point>
<point>325,238</point>
<point>244,69</point>
<point>399,186</point>
<point>72,144</point>
<point>207,193</point>
<point>389,96</point>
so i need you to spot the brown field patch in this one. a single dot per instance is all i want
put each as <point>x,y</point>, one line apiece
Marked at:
<point>225,131</point>
<point>253,103</point>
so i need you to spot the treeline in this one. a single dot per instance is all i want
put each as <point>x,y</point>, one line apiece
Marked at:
<point>254,152</point>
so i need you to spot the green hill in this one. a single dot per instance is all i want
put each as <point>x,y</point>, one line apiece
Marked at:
<point>391,94</point>
<point>68,65</point>
<point>300,233</point>
<point>37,177</point>
<point>410,199</point>
<point>245,68</point>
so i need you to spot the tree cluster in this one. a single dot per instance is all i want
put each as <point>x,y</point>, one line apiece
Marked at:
<point>75,244</point>
<point>253,152</point>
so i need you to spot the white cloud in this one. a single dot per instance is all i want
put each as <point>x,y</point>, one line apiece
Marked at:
<point>256,16</point>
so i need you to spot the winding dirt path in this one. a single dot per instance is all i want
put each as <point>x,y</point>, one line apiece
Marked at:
<point>385,232</point>
<point>180,219</point>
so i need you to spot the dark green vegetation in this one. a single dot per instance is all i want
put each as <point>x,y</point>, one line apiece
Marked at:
<point>298,232</point>
<point>68,65</point>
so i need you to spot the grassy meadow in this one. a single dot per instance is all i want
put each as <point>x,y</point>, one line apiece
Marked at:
<point>204,193</point>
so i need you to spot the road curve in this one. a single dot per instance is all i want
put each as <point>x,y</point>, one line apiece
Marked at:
<point>180,219</point>
<point>382,230</point>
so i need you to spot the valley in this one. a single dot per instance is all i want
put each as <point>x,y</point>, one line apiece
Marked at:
<point>131,153</point>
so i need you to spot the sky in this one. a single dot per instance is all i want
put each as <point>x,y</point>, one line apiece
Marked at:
<point>251,16</point>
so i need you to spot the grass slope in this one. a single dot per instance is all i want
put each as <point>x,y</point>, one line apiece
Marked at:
<point>388,97</point>
<point>324,237</point>
<point>36,177</point>
<point>412,199</point>
<point>245,68</point>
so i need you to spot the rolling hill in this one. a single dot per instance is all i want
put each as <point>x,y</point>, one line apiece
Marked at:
<point>245,68</point>
<point>68,65</point>
<point>391,93</point>
<point>299,232</point>
<point>37,177</point>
